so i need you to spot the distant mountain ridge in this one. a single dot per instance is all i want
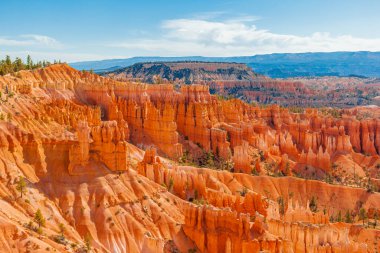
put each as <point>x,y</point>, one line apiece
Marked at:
<point>285,65</point>
<point>186,72</point>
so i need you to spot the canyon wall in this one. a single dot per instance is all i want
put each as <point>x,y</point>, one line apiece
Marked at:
<point>100,158</point>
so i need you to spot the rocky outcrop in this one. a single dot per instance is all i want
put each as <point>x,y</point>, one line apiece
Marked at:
<point>320,160</point>
<point>183,72</point>
<point>197,187</point>
<point>106,144</point>
<point>158,115</point>
<point>220,230</point>
<point>316,238</point>
<point>239,81</point>
<point>75,141</point>
<point>243,158</point>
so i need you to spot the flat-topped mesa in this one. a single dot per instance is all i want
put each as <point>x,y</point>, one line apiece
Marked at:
<point>100,144</point>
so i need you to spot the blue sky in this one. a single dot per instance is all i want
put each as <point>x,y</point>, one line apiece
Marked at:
<point>77,30</point>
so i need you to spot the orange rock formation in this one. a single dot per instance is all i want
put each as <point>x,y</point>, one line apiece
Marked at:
<point>78,140</point>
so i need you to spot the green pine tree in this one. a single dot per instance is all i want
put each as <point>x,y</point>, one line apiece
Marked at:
<point>21,185</point>
<point>313,205</point>
<point>348,217</point>
<point>362,215</point>
<point>39,218</point>
<point>87,242</point>
<point>62,229</point>
<point>339,217</point>
<point>29,62</point>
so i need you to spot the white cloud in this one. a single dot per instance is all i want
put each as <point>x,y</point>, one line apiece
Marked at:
<point>239,37</point>
<point>43,40</point>
<point>28,40</point>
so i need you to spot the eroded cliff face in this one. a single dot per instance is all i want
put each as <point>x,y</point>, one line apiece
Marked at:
<point>240,81</point>
<point>78,142</point>
<point>266,140</point>
<point>241,213</point>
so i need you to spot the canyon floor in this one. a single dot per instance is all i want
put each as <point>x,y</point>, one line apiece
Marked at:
<point>94,164</point>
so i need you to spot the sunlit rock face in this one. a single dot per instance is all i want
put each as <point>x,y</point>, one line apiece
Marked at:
<point>238,80</point>
<point>115,166</point>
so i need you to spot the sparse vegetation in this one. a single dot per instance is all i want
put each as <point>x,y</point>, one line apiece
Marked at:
<point>171,184</point>
<point>254,172</point>
<point>362,215</point>
<point>295,109</point>
<point>281,205</point>
<point>206,160</point>
<point>61,228</point>
<point>21,185</point>
<point>244,191</point>
<point>348,217</point>
<point>39,218</point>
<point>87,242</point>
<point>7,66</point>
<point>313,205</point>
<point>339,217</point>
<point>375,218</point>
<point>371,187</point>
<point>200,201</point>
<point>261,154</point>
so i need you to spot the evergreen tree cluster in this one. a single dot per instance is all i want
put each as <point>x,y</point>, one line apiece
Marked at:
<point>8,66</point>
